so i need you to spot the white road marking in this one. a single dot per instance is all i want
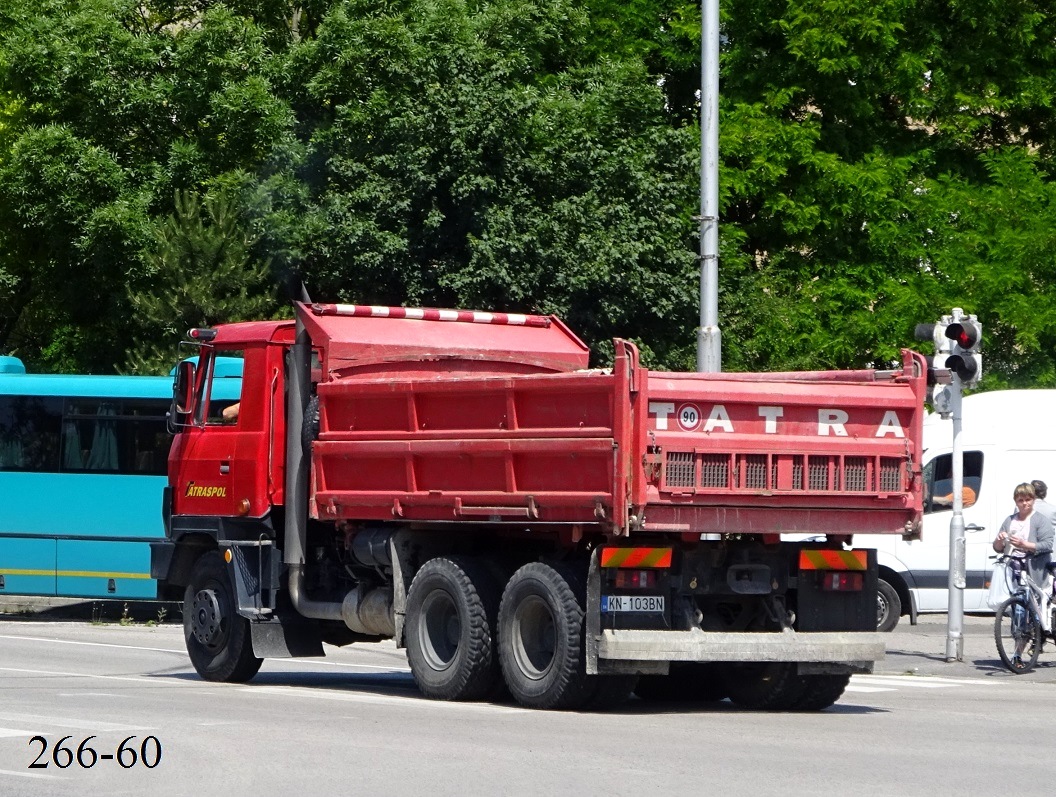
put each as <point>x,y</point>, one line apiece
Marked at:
<point>28,774</point>
<point>91,644</point>
<point>183,651</point>
<point>908,681</point>
<point>361,697</point>
<point>35,721</point>
<point>5,732</point>
<point>867,689</point>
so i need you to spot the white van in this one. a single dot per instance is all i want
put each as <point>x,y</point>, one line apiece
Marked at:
<point>1007,439</point>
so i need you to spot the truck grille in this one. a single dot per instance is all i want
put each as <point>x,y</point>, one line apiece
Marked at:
<point>684,470</point>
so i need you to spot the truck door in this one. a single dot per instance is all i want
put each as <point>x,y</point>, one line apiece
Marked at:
<point>205,483</point>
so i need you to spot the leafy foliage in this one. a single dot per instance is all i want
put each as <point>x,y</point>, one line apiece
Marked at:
<point>181,161</point>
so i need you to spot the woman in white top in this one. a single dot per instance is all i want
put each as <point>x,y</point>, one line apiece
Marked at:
<point>1027,534</point>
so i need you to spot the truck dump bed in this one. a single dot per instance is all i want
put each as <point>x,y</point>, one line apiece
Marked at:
<point>471,419</point>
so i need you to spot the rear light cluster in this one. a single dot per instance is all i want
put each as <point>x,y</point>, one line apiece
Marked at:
<point>635,579</point>
<point>838,581</point>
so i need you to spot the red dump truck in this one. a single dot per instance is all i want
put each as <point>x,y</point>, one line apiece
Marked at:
<point>464,483</point>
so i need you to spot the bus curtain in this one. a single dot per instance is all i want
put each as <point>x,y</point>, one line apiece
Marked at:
<point>103,455</point>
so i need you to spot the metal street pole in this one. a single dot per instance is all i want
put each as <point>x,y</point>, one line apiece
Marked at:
<point>709,338</point>
<point>955,609</point>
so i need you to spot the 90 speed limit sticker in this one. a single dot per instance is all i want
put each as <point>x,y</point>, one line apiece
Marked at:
<point>689,417</point>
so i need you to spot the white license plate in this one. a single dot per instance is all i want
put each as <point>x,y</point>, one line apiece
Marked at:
<point>632,603</point>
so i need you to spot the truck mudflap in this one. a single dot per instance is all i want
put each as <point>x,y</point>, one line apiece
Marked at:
<point>851,651</point>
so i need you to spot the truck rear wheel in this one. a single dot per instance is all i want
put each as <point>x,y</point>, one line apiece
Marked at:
<point>541,639</point>
<point>451,616</point>
<point>766,686</point>
<point>687,682</point>
<point>820,691</point>
<point>217,637</point>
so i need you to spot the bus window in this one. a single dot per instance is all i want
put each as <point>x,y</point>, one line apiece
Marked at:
<point>29,433</point>
<point>126,436</point>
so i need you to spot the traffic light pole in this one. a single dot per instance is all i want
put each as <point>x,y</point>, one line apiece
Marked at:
<point>955,609</point>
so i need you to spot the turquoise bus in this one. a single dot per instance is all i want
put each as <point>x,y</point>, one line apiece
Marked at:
<point>82,470</point>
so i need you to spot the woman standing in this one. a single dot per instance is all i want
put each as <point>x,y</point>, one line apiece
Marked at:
<point>1027,535</point>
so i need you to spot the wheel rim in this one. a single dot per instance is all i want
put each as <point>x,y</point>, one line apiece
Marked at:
<point>881,609</point>
<point>534,637</point>
<point>1017,637</point>
<point>207,618</point>
<point>439,630</point>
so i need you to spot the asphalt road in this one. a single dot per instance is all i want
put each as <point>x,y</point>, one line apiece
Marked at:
<point>353,723</point>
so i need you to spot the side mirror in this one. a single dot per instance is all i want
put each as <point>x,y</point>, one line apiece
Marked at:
<point>183,391</point>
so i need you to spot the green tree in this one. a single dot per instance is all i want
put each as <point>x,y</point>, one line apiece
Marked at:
<point>201,271</point>
<point>465,154</point>
<point>112,106</point>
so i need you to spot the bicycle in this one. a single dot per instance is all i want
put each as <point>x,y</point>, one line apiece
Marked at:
<point>1019,631</point>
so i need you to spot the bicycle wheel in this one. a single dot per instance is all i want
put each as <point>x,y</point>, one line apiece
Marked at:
<point>1018,634</point>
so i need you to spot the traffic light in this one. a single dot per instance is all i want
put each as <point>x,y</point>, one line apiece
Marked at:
<point>965,359</point>
<point>938,370</point>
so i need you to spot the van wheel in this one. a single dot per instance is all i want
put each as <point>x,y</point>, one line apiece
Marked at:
<point>888,606</point>
<point>217,637</point>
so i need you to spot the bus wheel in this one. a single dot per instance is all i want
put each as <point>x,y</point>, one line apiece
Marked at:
<point>541,639</point>
<point>217,637</point>
<point>451,609</point>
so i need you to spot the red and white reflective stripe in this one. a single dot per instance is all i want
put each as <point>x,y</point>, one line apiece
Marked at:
<point>431,314</point>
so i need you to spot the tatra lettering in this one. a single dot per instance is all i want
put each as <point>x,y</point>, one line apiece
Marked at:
<point>830,420</point>
<point>771,414</point>
<point>663,409</point>
<point>890,425</point>
<point>719,419</point>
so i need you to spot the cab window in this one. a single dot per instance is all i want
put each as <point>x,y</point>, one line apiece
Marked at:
<point>223,386</point>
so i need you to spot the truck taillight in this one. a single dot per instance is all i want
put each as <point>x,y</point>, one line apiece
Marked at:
<point>838,581</point>
<point>635,579</point>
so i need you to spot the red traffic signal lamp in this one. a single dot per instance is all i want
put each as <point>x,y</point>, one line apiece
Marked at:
<point>965,360</point>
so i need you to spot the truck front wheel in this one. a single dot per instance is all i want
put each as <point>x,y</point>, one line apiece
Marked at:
<point>451,611</point>
<point>217,637</point>
<point>541,639</point>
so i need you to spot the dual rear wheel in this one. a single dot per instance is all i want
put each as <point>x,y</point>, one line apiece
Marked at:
<point>467,640</point>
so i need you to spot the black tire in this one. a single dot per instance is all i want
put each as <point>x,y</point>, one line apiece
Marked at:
<point>609,691</point>
<point>888,606</point>
<point>452,607</point>
<point>217,637</point>
<point>820,691</point>
<point>687,682</point>
<point>1018,635</point>
<point>541,639</point>
<point>769,686</point>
